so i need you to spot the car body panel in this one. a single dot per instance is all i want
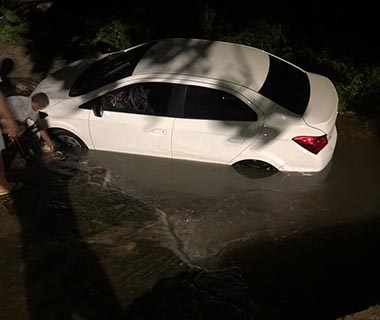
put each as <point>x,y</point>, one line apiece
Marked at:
<point>132,133</point>
<point>65,114</point>
<point>212,140</point>
<point>309,162</point>
<point>215,141</point>
<point>237,69</point>
<point>275,145</point>
<point>322,109</point>
<point>241,64</point>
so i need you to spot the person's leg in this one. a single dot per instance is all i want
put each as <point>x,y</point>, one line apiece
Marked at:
<point>5,185</point>
<point>11,126</point>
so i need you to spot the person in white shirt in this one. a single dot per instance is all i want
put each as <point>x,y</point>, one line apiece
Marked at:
<point>8,126</point>
<point>24,108</point>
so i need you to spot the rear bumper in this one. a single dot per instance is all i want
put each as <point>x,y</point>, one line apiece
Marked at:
<point>309,162</point>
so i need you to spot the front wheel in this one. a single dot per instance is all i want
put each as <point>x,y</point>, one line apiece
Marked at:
<point>68,142</point>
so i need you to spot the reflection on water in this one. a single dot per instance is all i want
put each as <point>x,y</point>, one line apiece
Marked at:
<point>305,242</point>
<point>210,205</point>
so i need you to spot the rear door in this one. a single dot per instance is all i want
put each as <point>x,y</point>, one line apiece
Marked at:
<point>134,120</point>
<point>215,126</point>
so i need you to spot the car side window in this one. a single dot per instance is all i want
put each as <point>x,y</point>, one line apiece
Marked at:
<point>141,98</point>
<point>212,104</point>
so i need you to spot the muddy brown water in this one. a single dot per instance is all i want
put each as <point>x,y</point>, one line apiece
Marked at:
<point>111,225</point>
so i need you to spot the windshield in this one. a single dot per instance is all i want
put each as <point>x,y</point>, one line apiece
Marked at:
<point>111,68</point>
<point>286,85</point>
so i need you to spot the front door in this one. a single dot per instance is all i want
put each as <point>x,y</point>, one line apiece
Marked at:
<point>134,120</point>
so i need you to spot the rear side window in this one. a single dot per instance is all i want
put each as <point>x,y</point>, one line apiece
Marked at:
<point>107,70</point>
<point>287,86</point>
<point>211,104</point>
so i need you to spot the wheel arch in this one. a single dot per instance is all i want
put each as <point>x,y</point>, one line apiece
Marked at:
<point>255,163</point>
<point>79,145</point>
<point>86,142</point>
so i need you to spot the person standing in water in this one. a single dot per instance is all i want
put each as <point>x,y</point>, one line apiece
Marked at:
<point>8,126</point>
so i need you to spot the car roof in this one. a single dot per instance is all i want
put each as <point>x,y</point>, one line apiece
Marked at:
<point>212,62</point>
<point>216,60</point>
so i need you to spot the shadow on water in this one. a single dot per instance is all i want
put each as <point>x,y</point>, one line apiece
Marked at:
<point>320,274</point>
<point>209,205</point>
<point>63,277</point>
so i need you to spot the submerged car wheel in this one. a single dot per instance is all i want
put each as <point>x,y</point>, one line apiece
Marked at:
<point>254,168</point>
<point>67,141</point>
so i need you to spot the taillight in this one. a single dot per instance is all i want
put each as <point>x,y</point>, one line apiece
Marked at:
<point>312,144</point>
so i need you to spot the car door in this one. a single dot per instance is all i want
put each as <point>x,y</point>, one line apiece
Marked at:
<point>215,126</point>
<point>133,120</point>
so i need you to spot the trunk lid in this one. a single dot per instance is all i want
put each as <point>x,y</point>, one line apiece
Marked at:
<point>322,109</point>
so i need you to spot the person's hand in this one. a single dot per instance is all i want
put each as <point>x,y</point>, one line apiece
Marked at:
<point>12,129</point>
<point>47,148</point>
<point>21,130</point>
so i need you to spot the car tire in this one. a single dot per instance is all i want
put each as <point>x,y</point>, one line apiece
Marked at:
<point>67,141</point>
<point>254,168</point>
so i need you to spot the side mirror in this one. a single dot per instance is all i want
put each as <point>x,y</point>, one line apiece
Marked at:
<point>98,108</point>
<point>43,115</point>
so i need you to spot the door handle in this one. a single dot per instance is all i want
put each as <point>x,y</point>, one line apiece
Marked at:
<point>235,140</point>
<point>158,132</point>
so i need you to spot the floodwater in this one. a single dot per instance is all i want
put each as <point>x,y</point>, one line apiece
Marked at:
<point>307,245</point>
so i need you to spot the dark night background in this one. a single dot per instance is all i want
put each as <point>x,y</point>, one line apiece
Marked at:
<point>346,29</point>
<point>339,40</point>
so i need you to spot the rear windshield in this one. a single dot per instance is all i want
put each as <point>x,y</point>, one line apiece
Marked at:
<point>109,69</point>
<point>287,86</point>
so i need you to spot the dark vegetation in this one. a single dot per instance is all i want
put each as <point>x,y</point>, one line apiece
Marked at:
<point>337,40</point>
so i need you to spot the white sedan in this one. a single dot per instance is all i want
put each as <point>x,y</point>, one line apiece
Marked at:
<point>197,100</point>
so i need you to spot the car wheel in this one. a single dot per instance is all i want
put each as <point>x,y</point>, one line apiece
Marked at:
<point>254,168</point>
<point>68,142</point>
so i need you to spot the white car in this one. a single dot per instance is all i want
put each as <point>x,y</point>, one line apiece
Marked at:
<point>197,100</point>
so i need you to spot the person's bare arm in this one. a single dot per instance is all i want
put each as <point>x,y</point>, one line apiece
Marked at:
<point>45,137</point>
<point>7,122</point>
